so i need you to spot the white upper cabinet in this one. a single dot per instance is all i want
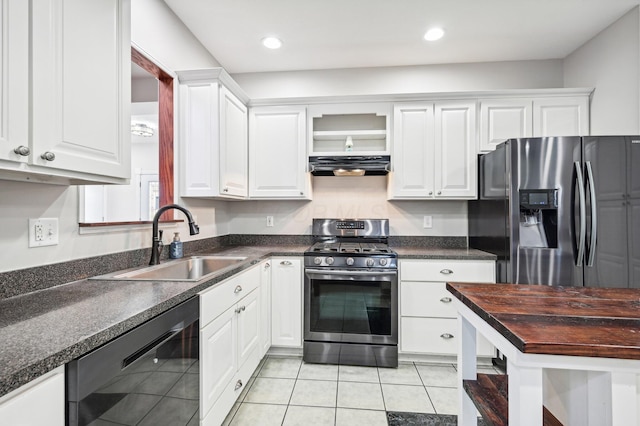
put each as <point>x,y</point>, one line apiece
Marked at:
<point>213,136</point>
<point>79,73</point>
<point>550,114</point>
<point>561,116</point>
<point>14,87</point>
<point>277,153</point>
<point>413,151</point>
<point>234,150</point>
<point>502,119</point>
<point>434,151</point>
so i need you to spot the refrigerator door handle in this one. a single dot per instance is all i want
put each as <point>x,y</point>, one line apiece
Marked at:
<point>583,216</point>
<point>594,215</point>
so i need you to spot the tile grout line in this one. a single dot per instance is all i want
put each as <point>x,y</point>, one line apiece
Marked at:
<point>292,390</point>
<point>425,388</point>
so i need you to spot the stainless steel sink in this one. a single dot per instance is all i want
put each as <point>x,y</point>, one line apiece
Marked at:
<point>189,269</point>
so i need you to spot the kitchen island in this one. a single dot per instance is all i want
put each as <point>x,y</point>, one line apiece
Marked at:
<point>543,331</point>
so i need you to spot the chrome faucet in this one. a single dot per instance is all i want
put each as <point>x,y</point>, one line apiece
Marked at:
<point>156,246</point>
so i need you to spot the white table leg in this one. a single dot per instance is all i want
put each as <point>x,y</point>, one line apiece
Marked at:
<point>466,370</point>
<point>624,403</point>
<point>525,395</point>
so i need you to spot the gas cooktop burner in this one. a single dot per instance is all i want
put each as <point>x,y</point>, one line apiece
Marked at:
<point>351,248</point>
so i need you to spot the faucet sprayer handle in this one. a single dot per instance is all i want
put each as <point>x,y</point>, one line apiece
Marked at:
<point>160,235</point>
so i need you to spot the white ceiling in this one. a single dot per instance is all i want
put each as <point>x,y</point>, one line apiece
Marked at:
<point>325,34</point>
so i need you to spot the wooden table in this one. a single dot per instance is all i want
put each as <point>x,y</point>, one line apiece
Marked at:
<point>584,339</point>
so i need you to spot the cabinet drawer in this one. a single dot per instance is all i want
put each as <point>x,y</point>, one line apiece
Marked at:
<point>435,336</point>
<point>447,270</point>
<point>426,299</point>
<point>214,301</point>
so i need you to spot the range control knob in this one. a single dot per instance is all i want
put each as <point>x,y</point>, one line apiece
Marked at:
<point>329,260</point>
<point>383,262</point>
<point>317,260</point>
<point>350,261</point>
<point>369,262</point>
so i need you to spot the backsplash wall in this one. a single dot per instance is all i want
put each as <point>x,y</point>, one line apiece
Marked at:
<point>349,197</point>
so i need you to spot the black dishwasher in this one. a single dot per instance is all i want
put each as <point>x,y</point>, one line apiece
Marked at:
<point>147,376</point>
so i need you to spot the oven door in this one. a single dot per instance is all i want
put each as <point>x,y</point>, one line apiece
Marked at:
<point>351,306</point>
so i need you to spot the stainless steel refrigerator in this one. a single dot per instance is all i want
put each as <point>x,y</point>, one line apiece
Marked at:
<point>561,211</point>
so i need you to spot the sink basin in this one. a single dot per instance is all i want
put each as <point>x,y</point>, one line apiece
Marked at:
<point>190,269</point>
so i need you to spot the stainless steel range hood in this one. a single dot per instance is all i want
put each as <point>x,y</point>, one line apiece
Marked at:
<point>349,165</point>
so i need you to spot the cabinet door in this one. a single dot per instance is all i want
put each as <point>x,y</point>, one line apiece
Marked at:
<point>455,150</point>
<point>286,298</point>
<point>234,148</point>
<point>413,150</point>
<point>40,402</point>
<point>218,358</point>
<point>265,307</point>
<point>277,160</point>
<point>502,119</point>
<point>248,313</point>
<point>81,65</point>
<point>199,154</point>
<point>14,85</point>
<point>562,116</point>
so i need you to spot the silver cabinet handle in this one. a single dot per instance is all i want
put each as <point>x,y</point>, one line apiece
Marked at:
<point>446,300</point>
<point>22,150</point>
<point>240,309</point>
<point>446,271</point>
<point>238,289</point>
<point>446,336</point>
<point>286,263</point>
<point>48,156</point>
<point>267,265</point>
<point>238,385</point>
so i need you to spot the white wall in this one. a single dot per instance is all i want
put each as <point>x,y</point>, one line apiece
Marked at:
<point>411,79</point>
<point>157,31</point>
<point>610,62</point>
<point>349,197</point>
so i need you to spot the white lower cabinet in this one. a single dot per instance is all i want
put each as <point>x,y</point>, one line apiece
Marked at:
<point>39,402</point>
<point>229,343</point>
<point>286,302</point>
<point>428,323</point>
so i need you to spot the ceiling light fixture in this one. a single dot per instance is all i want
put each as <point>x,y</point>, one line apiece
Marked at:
<point>142,129</point>
<point>434,34</point>
<point>272,42</point>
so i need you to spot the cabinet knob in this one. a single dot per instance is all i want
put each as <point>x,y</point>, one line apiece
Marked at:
<point>225,190</point>
<point>286,263</point>
<point>446,300</point>
<point>240,309</point>
<point>48,156</point>
<point>446,336</point>
<point>439,192</point>
<point>238,289</point>
<point>446,271</point>
<point>238,385</point>
<point>301,193</point>
<point>430,192</point>
<point>267,265</point>
<point>22,150</point>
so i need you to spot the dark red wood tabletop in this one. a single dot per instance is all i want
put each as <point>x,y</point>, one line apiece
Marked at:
<point>593,322</point>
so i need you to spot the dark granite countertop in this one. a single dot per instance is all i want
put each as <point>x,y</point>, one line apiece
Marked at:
<point>44,329</point>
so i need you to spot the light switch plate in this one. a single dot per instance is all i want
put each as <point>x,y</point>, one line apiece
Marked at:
<point>43,232</point>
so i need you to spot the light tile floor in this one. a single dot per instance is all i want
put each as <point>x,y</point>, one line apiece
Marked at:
<point>286,391</point>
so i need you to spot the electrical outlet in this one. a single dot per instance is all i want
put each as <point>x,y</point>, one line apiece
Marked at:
<point>427,222</point>
<point>269,221</point>
<point>43,232</point>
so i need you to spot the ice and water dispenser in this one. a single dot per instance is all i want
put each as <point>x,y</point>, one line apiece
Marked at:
<point>539,218</point>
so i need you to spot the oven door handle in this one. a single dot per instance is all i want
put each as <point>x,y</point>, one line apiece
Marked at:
<point>347,275</point>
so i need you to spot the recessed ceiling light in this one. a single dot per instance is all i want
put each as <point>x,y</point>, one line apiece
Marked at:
<point>434,34</point>
<point>272,42</point>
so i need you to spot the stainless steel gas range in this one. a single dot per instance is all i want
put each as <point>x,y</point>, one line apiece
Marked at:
<point>351,294</point>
